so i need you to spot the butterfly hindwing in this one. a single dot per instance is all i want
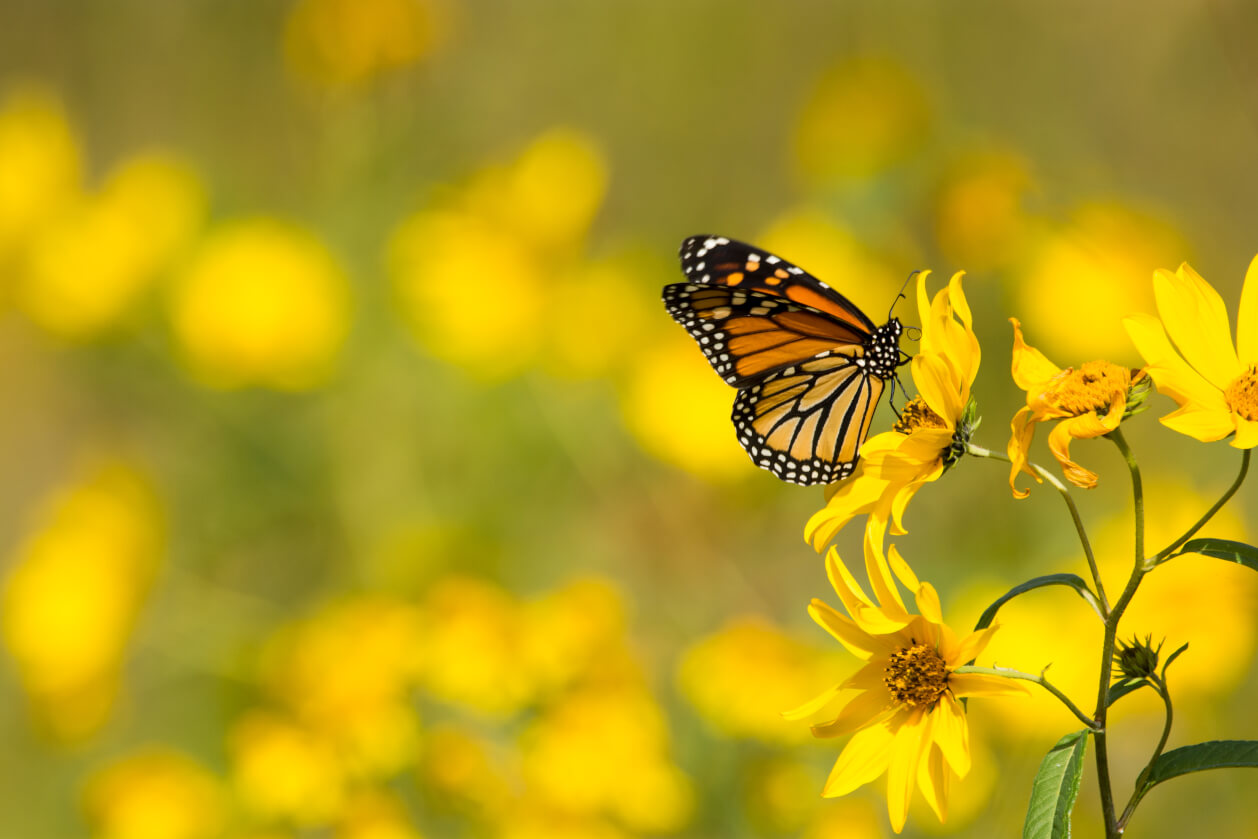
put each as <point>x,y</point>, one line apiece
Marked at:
<point>806,423</point>
<point>716,260</point>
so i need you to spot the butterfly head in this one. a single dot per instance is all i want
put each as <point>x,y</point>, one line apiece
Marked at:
<point>883,352</point>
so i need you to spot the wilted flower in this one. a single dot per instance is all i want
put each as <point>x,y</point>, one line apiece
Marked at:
<point>1192,360</point>
<point>1090,401</point>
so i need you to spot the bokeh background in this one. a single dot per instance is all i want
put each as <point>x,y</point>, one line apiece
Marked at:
<point>355,484</point>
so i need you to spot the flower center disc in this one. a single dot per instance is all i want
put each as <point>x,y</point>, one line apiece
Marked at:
<point>917,414</point>
<point>1242,394</point>
<point>1091,387</point>
<point>916,676</point>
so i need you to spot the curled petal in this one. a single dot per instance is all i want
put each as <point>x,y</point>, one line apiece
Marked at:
<point>1059,443</point>
<point>1030,367</point>
<point>1023,430</point>
<point>1246,434</point>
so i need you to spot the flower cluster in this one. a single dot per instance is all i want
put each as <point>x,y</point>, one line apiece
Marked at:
<point>904,713</point>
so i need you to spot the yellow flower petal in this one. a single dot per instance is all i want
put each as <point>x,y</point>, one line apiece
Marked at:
<point>1059,444</point>
<point>928,603</point>
<point>845,630</point>
<point>815,704</point>
<point>1173,376</point>
<point>856,496</point>
<point>932,779</point>
<point>1196,321</point>
<point>1204,424</point>
<point>869,708</point>
<point>1246,434</point>
<point>907,751</point>
<point>1030,366</point>
<point>965,685</point>
<point>1023,429</point>
<point>934,381</point>
<point>952,735</point>
<point>1247,317</point>
<point>864,758</point>
<point>971,647</point>
<point>924,302</point>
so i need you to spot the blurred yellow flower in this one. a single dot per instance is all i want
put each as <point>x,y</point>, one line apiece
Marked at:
<point>88,268</point>
<point>979,221</point>
<point>466,770</point>
<point>337,43</point>
<point>906,720</point>
<point>282,772</point>
<point>1102,256</point>
<point>595,321</point>
<point>1192,360</point>
<point>472,647</point>
<point>474,275</point>
<point>679,411</point>
<point>932,431</point>
<point>474,296</point>
<point>347,672</point>
<point>1087,402</point>
<point>376,814</point>
<point>155,793</point>
<point>41,161</point>
<point>262,303</point>
<point>571,630</point>
<point>604,750</point>
<point>76,587</point>
<point>865,116</point>
<point>740,677</point>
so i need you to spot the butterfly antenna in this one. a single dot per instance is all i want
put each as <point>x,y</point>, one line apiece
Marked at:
<point>902,295</point>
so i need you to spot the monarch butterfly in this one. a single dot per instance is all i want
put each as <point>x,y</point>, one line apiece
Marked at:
<point>809,366</point>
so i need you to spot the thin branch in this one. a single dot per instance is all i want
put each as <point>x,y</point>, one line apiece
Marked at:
<point>1166,552</point>
<point>1039,680</point>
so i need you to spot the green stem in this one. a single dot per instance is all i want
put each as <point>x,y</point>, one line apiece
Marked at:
<point>1138,793</point>
<point>1165,553</point>
<point>1112,827</point>
<point>1039,680</point>
<point>979,451</point>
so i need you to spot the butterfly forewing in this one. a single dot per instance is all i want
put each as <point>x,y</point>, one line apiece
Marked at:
<point>809,366</point>
<point>716,260</point>
<point>746,334</point>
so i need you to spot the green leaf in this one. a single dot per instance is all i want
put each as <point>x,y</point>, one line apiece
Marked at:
<point>1120,689</point>
<point>1073,580</point>
<point>1238,552</point>
<point>1055,788</point>
<point>1216,754</point>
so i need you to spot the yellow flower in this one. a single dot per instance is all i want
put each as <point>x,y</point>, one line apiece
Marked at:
<point>1192,359</point>
<point>1090,402</point>
<point>933,427</point>
<point>737,677</point>
<point>865,116</point>
<point>41,161</point>
<point>338,43</point>
<point>87,270</point>
<point>74,593</point>
<point>282,772</point>
<point>263,303</point>
<point>1101,255</point>
<point>155,793</point>
<point>906,718</point>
